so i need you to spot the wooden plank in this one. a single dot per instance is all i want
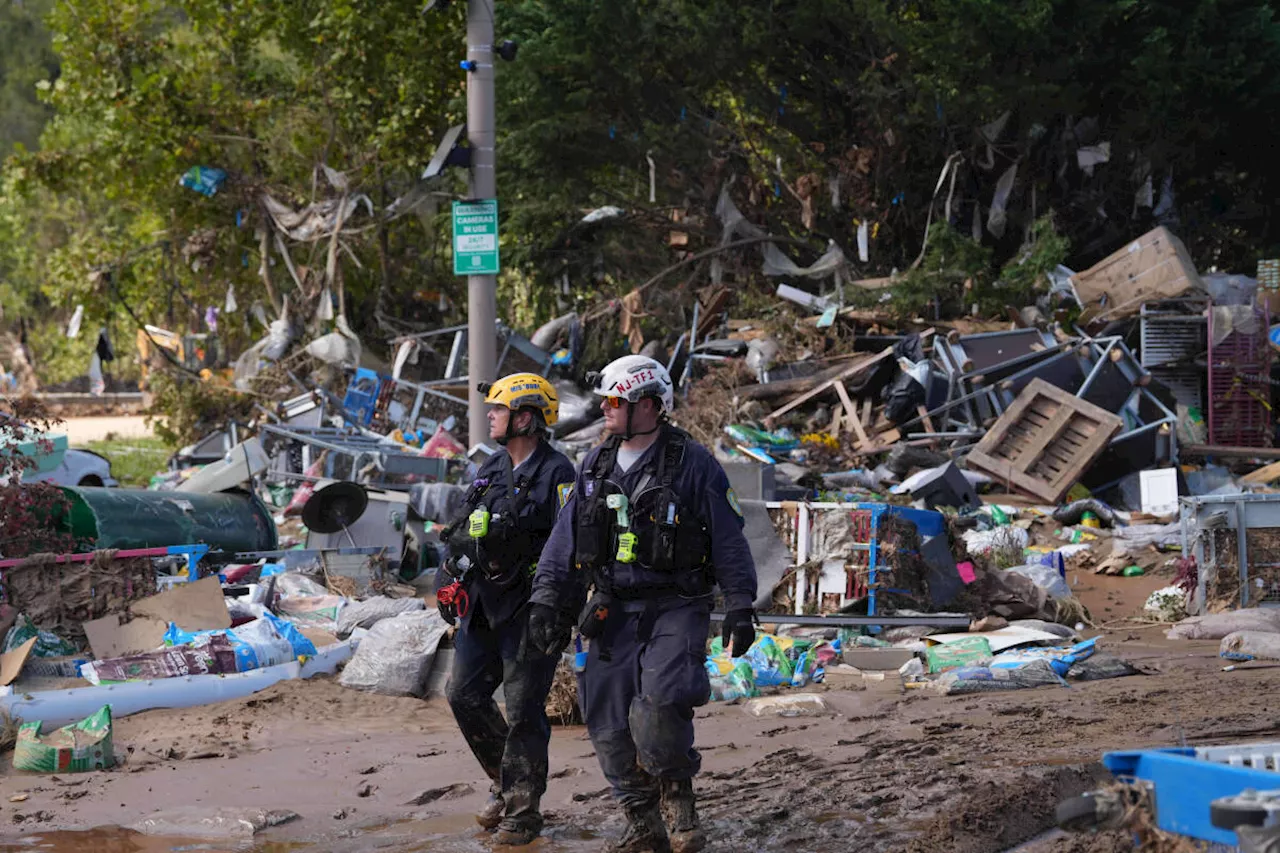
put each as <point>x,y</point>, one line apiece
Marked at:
<point>850,410</point>
<point>866,411</point>
<point>1044,442</point>
<point>925,419</point>
<point>848,373</point>
<point>1224,450</point>
<point>1263,476</point>
<point>851,416</point>
<point>834,429</point>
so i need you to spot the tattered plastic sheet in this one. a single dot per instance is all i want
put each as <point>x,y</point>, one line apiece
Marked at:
<point>317,220</point>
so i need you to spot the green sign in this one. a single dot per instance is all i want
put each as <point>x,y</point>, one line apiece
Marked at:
<point>475,237</point>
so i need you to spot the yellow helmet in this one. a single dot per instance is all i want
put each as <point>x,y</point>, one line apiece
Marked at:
<point>525,390</point>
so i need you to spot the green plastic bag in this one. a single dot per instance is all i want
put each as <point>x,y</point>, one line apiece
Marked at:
<point>85,745</point>
<point>47,645</point>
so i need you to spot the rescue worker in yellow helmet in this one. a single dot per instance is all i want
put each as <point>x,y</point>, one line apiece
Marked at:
<point>484,588</point>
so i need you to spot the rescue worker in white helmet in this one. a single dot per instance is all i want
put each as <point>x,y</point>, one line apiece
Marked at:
<point>494,544</point>
<point>652,527</point>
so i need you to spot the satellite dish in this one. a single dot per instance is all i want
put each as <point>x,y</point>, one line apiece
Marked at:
<point>335,507</point>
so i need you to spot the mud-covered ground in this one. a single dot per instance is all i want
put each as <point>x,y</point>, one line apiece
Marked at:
<point>893,770</point>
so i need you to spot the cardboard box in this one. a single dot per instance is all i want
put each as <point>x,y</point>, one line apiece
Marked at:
<point>1153,267</point>
<point>195,606</point>
<point>876,660</point>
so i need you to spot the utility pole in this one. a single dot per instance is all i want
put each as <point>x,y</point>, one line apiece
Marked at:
<point>482,309</point>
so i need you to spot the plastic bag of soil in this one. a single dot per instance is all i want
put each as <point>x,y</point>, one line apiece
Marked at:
<point>396,656</point>
<point>366,614</point>
<point>1101,667</point>
<point>981,679</point>
<point>85,745</point>
<point>48,645</point>
<point>210,655</point>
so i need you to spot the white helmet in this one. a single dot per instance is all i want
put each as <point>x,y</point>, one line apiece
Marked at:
<point>634,377</point>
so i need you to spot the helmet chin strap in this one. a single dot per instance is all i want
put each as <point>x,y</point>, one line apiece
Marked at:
<point>511,433</point>
<point>629,433</point>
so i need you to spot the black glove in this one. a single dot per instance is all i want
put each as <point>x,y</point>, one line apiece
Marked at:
<point>740,626</point>
<point>447,599</point>
<point>548,633</point>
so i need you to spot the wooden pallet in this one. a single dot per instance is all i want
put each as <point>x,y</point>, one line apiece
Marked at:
<point>1044,442</point>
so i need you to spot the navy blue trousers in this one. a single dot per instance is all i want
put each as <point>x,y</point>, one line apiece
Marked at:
<point>512,749</point>
<point>639,703</point>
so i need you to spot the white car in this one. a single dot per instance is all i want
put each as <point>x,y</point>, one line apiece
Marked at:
<point>60,465</point>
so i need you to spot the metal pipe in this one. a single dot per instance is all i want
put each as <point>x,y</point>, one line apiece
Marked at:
<point>840,621</point>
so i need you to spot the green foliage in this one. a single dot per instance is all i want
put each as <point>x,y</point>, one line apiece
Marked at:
<point>26,58</point>
<point>134,460</point>
<point>185,409</point>
<point>953,265</point>
<point>778,100</point>
<point>1026,274</point>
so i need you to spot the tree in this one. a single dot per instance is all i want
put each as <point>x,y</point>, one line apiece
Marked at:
<point>26,59</point>
<point>272,94</point>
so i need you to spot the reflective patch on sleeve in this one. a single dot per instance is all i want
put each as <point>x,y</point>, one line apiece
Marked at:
<point>733,501</point>
<point>564,491</point>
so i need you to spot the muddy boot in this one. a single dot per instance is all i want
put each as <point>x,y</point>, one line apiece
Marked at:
<point>517,833</point>
<point>491,815</point>
<point>644,834</point>
<point>681,813</point>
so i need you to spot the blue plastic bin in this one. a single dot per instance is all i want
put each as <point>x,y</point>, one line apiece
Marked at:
<point>1186,780</point>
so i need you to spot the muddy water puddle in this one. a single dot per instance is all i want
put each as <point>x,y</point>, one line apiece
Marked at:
<point>438,834</point>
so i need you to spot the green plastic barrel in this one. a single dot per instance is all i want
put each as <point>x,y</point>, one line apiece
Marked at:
<point>139,518</point>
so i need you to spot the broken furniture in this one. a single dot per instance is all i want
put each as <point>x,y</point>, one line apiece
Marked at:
<point>854,571</point>
<point>354,455</point>
<point>1173,336</point>
<point>1045,441</point>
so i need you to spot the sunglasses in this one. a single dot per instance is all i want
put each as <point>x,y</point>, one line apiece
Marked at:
<point>614,402</point>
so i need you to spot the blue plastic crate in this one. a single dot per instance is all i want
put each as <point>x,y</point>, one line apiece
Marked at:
<point>1186,780</point>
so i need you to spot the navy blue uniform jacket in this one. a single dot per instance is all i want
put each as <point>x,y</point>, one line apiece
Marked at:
<point>548,493</point>
<point>702,486</point>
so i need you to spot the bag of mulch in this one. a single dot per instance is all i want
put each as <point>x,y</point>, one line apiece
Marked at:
<point>210,655</point>
<point>366,614</point>
<point>1215,626</point>
<point>1099,667</point>
<point>1250,645</point>
<point>397,654</point>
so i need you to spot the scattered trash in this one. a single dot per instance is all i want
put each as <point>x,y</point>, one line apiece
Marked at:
<point>206,180</point>
<point>1169,604</point>
<point>198,822</point>
<point>789,705</point>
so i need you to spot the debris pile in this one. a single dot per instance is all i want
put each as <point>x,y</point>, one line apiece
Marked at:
<point>921,497</point>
